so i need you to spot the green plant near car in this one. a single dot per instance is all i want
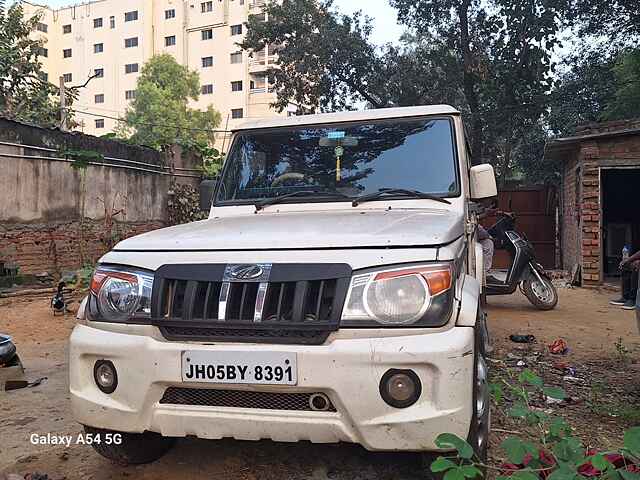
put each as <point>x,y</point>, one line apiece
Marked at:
<point>557,454</point>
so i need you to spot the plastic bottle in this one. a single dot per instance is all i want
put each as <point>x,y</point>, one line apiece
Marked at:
<point>625,253</point>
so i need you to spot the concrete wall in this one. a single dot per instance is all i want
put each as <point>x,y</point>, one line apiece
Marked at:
<point>55,217</point>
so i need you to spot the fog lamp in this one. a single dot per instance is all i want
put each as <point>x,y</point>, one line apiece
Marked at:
<point>400,388</point>
<point>105,375</point>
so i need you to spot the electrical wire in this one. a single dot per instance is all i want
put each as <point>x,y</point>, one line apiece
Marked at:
<point>148,124</point>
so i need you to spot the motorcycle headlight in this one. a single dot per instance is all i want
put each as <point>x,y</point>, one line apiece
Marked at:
<point>403,296</point>
<point>120,295</point>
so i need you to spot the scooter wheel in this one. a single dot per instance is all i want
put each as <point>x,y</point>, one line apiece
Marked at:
<point>542,294</point>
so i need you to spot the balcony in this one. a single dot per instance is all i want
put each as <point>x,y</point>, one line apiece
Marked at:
<point>257,3</point>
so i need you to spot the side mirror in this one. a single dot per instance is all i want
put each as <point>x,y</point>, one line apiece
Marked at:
<point>482,182</point>
<point>207,187</point>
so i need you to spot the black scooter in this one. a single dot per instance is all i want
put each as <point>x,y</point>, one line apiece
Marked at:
<point>524,272</point>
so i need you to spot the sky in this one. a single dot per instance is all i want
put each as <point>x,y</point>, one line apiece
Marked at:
<point>386,28</point>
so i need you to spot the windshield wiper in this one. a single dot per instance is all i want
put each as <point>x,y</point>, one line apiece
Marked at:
<point>272,201</point>
<point>397,191</point>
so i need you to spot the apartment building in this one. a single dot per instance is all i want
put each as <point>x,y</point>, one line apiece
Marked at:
<point>114,38</point>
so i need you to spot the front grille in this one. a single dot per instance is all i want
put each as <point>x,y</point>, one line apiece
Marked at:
<point>298,303</point>
<point>239,399</point>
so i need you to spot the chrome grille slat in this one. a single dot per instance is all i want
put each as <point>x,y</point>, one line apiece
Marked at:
<point>222,303</point>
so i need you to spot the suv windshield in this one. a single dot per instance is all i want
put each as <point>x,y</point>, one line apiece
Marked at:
<point>349,160</point>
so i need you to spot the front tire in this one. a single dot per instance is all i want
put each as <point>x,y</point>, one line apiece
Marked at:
<point>481,421</point>
<point>135,448</point>
<point>540,292</point>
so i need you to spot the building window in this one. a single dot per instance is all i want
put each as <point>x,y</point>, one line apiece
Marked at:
<point>236,29</point>
<point>207,62</point>
<point>237,113</point>
<point>98,47</point>
<point>131,68</point>
<point>131,16</point>
<point>66,53</point>
<point>207,89</point>
<point>236,57</point>
<point>67,77</point>
<point>169,14</point>
<point>131,42</point>
<point>42,27</point>
<point>236,86</point>
<point>130,95</point>
<point>206,7</point>
<point>99,98</point>
<point>112,22</point>
<point>97,22</point>
<point>66,29</point>
<point>100,123</point>
<point>99,72</point>
<point>43,52</point>
<point>207,34</point>
<point>169,41</point>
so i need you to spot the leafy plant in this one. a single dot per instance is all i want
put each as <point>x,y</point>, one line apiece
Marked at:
<point>212,158</point>
<point>556,455</point>
<point>622,351</point>
<point>81,158</point>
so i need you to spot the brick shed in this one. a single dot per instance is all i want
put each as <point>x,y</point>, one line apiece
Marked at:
<point>600,197</point>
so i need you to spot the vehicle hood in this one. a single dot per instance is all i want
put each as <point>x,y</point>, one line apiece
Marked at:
<point>307,230</point>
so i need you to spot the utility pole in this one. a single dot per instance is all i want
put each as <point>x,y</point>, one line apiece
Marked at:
<point>63,106</point>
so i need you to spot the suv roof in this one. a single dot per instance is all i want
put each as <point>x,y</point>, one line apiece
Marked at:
<point>348,116</point>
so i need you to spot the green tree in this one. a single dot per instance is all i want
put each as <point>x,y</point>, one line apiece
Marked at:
<point>503,51</point>
<point>160,115</point>
<point>490,59</point>
<point>626,101</point>
<point>618,20</point>
<point>325,61</point>
<point>583,91</point>
<point>25,95</point>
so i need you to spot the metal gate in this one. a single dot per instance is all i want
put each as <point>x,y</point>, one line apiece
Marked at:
<point>535,210</point>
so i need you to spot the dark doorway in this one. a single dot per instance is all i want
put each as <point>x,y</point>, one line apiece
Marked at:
<point>620,188</point>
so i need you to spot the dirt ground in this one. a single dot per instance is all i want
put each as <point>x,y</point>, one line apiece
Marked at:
<point>603,343</point>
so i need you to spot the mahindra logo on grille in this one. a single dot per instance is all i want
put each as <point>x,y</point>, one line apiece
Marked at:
<point>247,272</point>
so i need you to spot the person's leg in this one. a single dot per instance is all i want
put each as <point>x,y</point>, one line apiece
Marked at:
<point>487,254</point>
<point>631,292</point>
<point>625,285</point>
<point>638,304</point>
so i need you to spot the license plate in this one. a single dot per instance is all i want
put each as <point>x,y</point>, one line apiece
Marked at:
<point>264,368</point>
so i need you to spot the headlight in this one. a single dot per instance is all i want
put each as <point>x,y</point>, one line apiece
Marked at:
<point>403,296</point>
<point>119,294</point>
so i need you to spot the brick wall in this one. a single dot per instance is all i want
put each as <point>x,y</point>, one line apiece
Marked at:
<point>590,213</point>
<point>56,247</point>
<point>55,218</point>
<point>569,230</point>
<point>582,223</point>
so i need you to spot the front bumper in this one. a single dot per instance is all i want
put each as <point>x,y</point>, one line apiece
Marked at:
<point>348,368</point>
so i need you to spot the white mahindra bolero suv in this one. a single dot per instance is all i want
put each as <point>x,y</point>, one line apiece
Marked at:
<point>332,295</point>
